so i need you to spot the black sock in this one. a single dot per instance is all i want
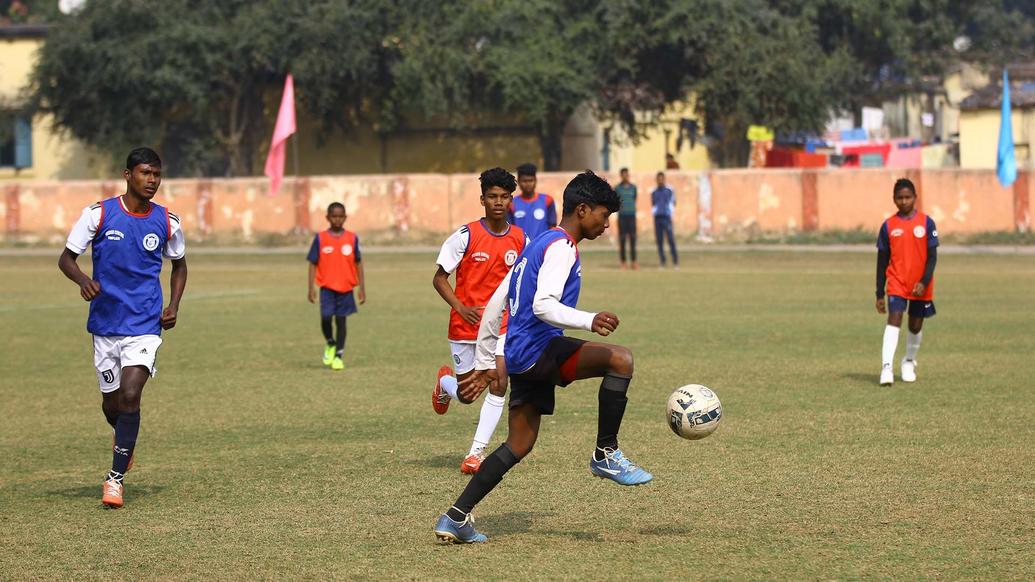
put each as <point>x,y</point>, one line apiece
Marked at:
<point>111,417</point>
<point>612,401</point>
<point>488,477</point>
<point>339,320</point>
<point>126,429</point>
<point>328,333</point>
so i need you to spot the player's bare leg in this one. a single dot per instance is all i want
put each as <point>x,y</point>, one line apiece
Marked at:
<point>127,426</point>
<point>489,417</point>
<point>615,365</point>
<point>913,338</point>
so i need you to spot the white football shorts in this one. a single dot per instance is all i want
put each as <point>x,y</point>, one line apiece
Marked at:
<point>112,353</point>
<point>463,354</point>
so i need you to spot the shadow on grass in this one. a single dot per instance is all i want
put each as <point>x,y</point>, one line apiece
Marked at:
<point>94,491</point>
<point>519,522</point>
<point>869,379</point>
<point>436,461</point>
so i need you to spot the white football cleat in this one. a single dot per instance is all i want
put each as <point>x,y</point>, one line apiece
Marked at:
<point>887,377</point>
<point>909,370</point>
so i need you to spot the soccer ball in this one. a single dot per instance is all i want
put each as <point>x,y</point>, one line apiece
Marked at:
<point>694,411</point>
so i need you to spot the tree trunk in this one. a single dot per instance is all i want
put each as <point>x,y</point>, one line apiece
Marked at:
<point>550,141</point>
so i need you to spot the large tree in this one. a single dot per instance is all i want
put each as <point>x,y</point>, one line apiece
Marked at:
<point>200,77</point>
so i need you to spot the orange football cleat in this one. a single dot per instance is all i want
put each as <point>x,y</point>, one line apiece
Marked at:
<point>471,464</point>
<point>439,398</point>
<point>112,494</point>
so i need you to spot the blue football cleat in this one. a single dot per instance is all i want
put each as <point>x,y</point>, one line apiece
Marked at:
<point>619,469</point>
<point>458,532</point>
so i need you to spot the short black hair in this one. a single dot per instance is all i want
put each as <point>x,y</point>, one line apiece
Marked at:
<point>526,170</point>
<point>588,188</point>
<point>142,156</point>
<point>334,205</point>
<point>623,170</point>
<point>662,174</point>
<point>904,183</point>
<point>497,177</point>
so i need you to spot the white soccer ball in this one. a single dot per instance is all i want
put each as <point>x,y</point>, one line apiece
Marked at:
<point>694,411</point>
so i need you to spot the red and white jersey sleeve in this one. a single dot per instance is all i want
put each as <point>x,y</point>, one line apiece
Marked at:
<point>452,251</point>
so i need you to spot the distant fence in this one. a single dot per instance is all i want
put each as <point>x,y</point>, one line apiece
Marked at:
<point>719,203</point>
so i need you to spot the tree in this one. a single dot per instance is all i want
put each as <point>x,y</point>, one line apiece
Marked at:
<point>198,77</point>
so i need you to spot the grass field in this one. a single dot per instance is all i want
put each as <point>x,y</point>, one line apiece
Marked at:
<point>254,461</point>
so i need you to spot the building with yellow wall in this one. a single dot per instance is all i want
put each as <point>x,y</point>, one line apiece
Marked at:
<point>30,149</point>
<point>980,119</point>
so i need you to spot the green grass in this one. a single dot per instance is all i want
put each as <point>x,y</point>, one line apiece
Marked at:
<point>257,462</point>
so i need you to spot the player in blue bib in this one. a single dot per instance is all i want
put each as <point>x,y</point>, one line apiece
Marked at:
<point>533,211</point>
<point>130,236</point>
<point>540,294</point>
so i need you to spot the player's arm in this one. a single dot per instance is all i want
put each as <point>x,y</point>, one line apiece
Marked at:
<point>883,259</point>
<point>79,238</point>
<point>932,259</point>
<point>359,271</point>
<point>471,314</point>
<point>88,288</point>
<point>175,251</point>
<point>177,284</point>
<point>546,305</point>
<point>551,214</point>
<point>448,259</point>
<point>313,258</point>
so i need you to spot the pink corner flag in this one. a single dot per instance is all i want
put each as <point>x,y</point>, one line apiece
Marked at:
<point>284,129</point>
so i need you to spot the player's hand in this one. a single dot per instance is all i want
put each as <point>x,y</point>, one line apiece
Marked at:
<point>471,314</point>
<point>471,387</point>
<point>361,294</point>
<point>604,323</point>
<point>89,289</point>
<point>882,307</point>
<point>168,320</point>
<point>312,295</point>
<point>918,289</point>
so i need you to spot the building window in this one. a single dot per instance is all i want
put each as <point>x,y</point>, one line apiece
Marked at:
<point>15,142</point>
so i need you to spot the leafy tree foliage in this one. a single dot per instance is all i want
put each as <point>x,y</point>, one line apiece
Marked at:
<point>202,78</point>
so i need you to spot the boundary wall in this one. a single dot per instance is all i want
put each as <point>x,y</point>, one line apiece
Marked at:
<point>716,203</point>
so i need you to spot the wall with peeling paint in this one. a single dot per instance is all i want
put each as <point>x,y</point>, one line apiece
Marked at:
<point>740,201</point>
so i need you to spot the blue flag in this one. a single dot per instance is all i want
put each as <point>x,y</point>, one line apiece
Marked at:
<point>1005,162</point>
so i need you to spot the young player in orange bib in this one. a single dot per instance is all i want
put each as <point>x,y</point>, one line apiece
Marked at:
<point>907,251</point>
<point>336,267</point>
<point>480,253</point>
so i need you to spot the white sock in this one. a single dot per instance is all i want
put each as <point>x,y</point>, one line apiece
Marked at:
<point>890,345</point>
<point>448,383</point>
<point>913,344</point>
<point>492,410</point>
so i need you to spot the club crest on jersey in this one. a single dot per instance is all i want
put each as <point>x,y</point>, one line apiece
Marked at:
<point>327,250</point>
<point>510,257</point>
<point>113,234</point>
<point>150,241</point>
<point>539,213</point>
<point>346,250</point>
<point>480,257</point>
<point>519,214</point>
<point>896,232</point>
<point>919,231</point>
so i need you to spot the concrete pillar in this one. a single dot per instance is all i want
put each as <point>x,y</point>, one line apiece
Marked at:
<point>1022,201</point>
<point>809,201</point>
